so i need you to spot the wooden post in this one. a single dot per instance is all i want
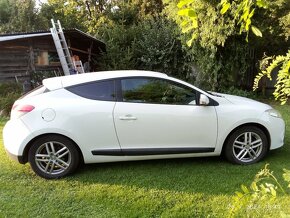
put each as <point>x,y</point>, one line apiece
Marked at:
<point>31,59</point>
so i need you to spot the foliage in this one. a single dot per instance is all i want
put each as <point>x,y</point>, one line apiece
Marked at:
<point>96,14</point>
<point>158,48</point>
<point>38,76</point>
<point>282,87</point>
<point>262,191</point>
<point>120,44</point>
<point>240,92</point>
<point>56,10</point>
<point>151,44</point>
<point>243,11</point>
<point>212,25</point>
<point>199,16</point>
<point>286,176</point>
<point>9,92</point>
<point>199,20</point>
<point>19,16</point>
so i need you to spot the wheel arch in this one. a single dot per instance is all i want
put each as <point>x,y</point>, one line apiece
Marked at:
<point>30,143</point>
<point>258,125</point>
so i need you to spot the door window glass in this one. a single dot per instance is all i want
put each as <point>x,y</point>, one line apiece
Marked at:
<point>158,91</point>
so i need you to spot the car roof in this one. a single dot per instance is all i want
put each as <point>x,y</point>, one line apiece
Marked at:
<point>65,81</point>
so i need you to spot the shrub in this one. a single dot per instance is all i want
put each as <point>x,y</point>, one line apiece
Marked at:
<point>240,92</point>
<point>260,195</point>
<point>38,76</point>
<point>9,93</point>
<point>150,44</point>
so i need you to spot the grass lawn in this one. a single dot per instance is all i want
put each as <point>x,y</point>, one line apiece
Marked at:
<point>194,187</point>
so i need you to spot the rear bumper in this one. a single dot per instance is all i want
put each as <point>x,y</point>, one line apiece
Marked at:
<point>19,159</point>
<point>15,137</point>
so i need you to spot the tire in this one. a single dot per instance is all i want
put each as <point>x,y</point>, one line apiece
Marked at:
<point>246,145</point>
<point>53,156</point>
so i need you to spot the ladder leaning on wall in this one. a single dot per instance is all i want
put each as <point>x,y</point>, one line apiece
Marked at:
<point>69,67</point>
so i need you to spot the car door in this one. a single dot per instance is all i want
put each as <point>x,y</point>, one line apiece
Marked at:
<point>158,116</point>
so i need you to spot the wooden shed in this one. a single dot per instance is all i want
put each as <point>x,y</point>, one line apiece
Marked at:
<point>25,54</point>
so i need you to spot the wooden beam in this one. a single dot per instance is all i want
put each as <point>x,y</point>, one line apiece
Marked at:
<point>79,50</point>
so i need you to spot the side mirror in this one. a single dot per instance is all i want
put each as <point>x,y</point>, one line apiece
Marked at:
<point>203,100</point>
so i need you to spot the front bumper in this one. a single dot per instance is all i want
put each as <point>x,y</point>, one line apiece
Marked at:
<point>276,127</point>
<point>16,136</point>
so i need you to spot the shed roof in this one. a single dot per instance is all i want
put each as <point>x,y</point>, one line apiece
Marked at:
<point>76,33</point>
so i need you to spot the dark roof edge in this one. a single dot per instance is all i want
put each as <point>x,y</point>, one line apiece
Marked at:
<point>85,34</point>
<point>48,31</point>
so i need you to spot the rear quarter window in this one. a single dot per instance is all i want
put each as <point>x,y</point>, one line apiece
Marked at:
<point>100,90</point>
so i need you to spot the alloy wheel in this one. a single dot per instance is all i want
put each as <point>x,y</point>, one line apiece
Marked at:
<point>53,158</point>
<point>247,147</point>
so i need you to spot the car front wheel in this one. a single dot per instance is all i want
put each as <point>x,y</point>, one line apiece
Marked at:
<point>246,145</point>
<point>53,157</point>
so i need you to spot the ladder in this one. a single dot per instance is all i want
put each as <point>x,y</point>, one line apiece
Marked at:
<point>78,66</point>
<point>62,48</point>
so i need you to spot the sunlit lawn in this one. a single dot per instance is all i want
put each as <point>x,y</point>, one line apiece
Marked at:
<point>194,187</point>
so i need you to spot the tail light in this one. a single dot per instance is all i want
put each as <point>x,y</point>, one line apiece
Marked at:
<point>19,110</point>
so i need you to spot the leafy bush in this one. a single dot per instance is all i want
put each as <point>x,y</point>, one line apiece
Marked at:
<point>240,92</point>
<point>120,41</point>
<point>38,76</point>
<point>159,49</point>
<point>151,44</point>
<point>219,69</point>
<point>282,87</point>
<point>260,195</point>
<point>9,93</point>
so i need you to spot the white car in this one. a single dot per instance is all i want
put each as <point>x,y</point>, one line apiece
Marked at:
<point>134,115</point>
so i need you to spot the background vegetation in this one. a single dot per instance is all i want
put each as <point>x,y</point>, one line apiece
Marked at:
<point>9,92</point>
<point>155,34</point>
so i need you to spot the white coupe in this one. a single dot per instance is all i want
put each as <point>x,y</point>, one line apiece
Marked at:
<point>134,115</point>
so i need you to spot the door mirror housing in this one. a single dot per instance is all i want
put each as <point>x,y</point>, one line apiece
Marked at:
<point>203,100</point>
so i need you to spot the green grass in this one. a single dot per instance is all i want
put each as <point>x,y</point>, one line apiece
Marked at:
<point>194,187</point>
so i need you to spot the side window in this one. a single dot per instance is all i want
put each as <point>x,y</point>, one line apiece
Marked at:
<point>158,91</point>
<point>103,90</point>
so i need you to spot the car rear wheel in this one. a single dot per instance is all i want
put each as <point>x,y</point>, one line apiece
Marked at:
<point>53,157</point>
<point>247,145</point>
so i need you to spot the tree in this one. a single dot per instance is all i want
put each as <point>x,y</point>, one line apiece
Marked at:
<point>19,16</point>
<point>214,24</point>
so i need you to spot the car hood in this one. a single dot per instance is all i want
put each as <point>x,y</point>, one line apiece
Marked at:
<point>243,101</point>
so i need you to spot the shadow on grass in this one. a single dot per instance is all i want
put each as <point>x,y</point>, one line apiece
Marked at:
<point>212,175</point>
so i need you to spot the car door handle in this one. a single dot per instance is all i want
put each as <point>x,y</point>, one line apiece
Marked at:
<point>128,117</point>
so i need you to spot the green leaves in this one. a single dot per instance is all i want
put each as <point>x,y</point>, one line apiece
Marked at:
<point>267,66</point>
<point>187,12</point>
<point>225,7</point>
<point>189,19</point>
<point>262,4</point>
<point>263,192</point>
<point>184,3</point>
<point>256,31</point>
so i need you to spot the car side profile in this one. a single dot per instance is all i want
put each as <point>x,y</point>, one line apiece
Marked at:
<point>134,115</point>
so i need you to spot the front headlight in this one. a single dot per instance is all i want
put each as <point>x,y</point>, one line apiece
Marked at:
<point>274,113</point>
